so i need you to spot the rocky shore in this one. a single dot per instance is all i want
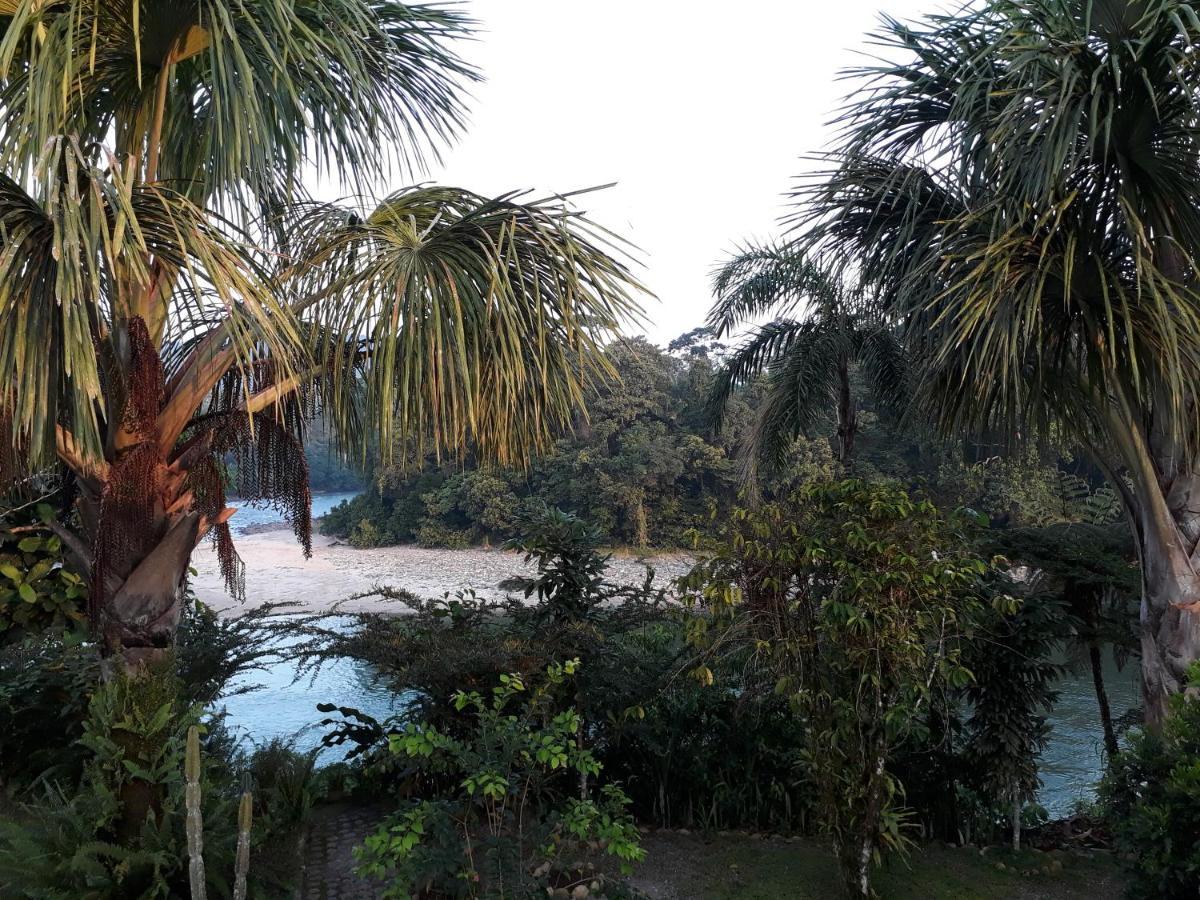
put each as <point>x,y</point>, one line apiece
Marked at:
<point>277,572</point>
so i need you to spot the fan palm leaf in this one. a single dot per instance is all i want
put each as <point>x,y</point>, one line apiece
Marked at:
<point>234,99</point>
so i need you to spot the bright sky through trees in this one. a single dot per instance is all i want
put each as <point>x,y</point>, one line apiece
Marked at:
<point>700,112</point>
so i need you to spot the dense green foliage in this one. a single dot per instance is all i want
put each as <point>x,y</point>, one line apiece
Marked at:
<point>646,468</point>
<point>856,602</point>
<point>1010,693</point>
<point>642,468</point>
<point>83,758</point>
<point>508,806</point>
<point>37,589</point>
<point>1151,798</point>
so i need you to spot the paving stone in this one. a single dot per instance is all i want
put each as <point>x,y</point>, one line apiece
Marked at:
<point>332,835</point>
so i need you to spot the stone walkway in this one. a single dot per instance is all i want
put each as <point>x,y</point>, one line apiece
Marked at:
<point>328,853</point>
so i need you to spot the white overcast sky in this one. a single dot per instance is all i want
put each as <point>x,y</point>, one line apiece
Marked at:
<point>699,111</point>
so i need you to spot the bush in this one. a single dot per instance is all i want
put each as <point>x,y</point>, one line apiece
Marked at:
<point>365,535</point>
<point>718,757</point>
<point>435,534</point>
<point>46,682</point>
<point>37,590</point>
<point>118,832</point>
<point>1150,797</point>
<point>851,599</point>
<point>102,840</point>
<point>508,809</point>
<point>211,650</point>
<point>714,757</point>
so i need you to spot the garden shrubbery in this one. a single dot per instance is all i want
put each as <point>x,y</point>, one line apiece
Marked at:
<point>706,720</point>
<point>1150,797</point>
<point>93,766</point>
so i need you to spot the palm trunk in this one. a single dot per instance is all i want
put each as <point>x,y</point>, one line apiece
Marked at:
<point>1165,518</point>
<point>1170,630</point>
<point>1015,816</point>
<point>1170,609</point>
<point>140,521</point>
<point>1110,735</point>
<point>847,418</point>
<point>143,591</point>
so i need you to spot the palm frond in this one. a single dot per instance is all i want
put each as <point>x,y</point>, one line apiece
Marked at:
<point>771,277</point>
<point>76,267</point>
<point>1023,189</point>
<point>256,90</point>
<point>764,347</point>
<point>457,319</point>
<point>799,390</point>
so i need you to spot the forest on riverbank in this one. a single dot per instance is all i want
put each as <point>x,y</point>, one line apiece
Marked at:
<point>650,467</point>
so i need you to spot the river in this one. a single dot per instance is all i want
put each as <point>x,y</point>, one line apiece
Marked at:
<point>285,707</point>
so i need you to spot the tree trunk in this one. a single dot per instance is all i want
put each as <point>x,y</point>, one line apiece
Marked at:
<point>1170,621</point>
<point>142,536</point>
<point>857,848</point>
<point>1110,735</point>
<point>141,516</point>
<point>847,418</point>
<point>1016,817</point>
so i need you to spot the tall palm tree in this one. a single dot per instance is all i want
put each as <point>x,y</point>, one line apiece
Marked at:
<point>168,296</point>
<point>1022,181</point>
<point>824,326</point>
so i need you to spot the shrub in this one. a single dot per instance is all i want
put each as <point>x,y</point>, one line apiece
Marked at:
<point>1010,694</point>
<point>37,590</point>
<point>120,833</point>
<point>725,757</point>
<point>1150,797</point>
<point>211,650</point>
<point>117,831</point>
<point>852,599</point>
<point>365,535</point>
<point>435,534</point>
<point>46,682</point>
<point>509,808</point>
<point>717,757</point>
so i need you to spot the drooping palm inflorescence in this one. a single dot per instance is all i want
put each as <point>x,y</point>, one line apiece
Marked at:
<point>823,327</point>
<point>1021,182</point>
<point>173,307</point>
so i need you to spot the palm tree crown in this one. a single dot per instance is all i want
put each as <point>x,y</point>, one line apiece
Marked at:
<point>1022,185</point>
<point>169,295</point>
<point>823,325</point>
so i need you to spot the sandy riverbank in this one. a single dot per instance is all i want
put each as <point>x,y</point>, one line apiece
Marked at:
<point>277,572</point>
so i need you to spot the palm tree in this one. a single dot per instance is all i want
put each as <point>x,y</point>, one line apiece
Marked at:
<point>1022,183</point>
<point>823,327</point>
<point>168,297</point>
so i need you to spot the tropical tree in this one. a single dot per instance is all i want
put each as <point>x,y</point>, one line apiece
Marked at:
<point>1021,181</point>
<point>853,601</point>
<point>824,326</point>
<point>170,297</point>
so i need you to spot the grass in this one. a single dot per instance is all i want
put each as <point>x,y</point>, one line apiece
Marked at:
<point>739,868</point>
